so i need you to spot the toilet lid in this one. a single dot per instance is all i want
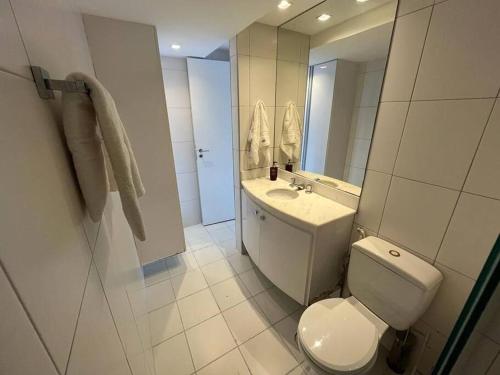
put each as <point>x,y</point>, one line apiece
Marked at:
<point>337,336</point>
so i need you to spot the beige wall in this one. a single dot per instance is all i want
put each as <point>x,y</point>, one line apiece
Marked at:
<point>175,77</point>
<point>64,281</point>
<point>433,178</point>
<point>127,62</point>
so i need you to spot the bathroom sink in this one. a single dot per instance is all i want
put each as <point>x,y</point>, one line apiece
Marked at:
<point>282,194</point>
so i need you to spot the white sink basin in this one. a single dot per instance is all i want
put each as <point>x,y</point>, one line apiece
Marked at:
<point>282,194</point>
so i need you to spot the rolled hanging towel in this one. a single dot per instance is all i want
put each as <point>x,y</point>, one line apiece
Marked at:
<point>258,136</point>
<point>91,122</point>
<point>290,135</point>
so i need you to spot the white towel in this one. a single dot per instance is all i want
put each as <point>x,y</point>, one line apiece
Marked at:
<point>290,135</point>
<point>81,115</point>
<point>258,137</point>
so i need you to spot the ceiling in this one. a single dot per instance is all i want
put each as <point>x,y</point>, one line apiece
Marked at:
<point>340,11</point>
<point>199,26</point>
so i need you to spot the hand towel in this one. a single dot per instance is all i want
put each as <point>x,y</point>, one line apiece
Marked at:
<point>291,133</point>
<point>258,136</point>
<point>81,116</point>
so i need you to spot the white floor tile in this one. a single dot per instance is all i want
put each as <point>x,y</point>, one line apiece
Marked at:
<point>230,292</point>
<point>209,340</point>
<point>199,239</point>
<point>172,357</point>
<point>208,255</point>
<point>188,283</point>
<point>197,307</point>
<point>255,281</point>
<point>287,328</point>
<point>245,320</point>
<point>154,277</point>
<point>165,322</point>
<point>228,247</point>
<point>231,225</point>
<point>240,262</point>
<point>276,304</point>
<point>221,234</point>
<point>158,295</point>
<point>181,263</point>
<point>266,354</point>
<point>215,227</point>
<point>217,271</point>
<point>231,363</point>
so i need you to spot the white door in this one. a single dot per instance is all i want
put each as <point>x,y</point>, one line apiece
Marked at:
<point>210,91</point>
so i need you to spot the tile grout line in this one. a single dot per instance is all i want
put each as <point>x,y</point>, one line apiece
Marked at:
<point>405,120</point>
<point>465,181</point>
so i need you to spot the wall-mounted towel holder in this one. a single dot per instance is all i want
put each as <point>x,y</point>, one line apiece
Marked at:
<point>46,86</point>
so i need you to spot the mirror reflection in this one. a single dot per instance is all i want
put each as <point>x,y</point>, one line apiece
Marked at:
<point>330,69</point>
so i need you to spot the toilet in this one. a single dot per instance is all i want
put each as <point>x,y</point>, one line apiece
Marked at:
<point>390,288</point>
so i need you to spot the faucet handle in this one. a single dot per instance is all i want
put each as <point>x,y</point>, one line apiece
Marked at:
<point>293,181</point>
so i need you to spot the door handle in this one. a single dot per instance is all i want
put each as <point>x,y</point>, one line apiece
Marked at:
<point>202,150</point>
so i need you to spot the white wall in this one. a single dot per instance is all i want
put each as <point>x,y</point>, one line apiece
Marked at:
<point>433,179</point>
<point>369,84</point>
<point>127,61</point>
<point>176,84</point>
<point>64,281</point>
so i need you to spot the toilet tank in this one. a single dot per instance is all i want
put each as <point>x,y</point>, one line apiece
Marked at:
<point>394,284</point>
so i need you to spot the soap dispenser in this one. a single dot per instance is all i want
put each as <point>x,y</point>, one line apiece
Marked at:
<point>273,171</point>
<point>289,166</point>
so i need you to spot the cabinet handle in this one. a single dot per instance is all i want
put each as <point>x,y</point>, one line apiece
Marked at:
<point>262,217</point>
<point>256,212</point>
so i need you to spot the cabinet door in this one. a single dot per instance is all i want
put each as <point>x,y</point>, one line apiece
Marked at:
<point>284,255</point>
<point>250,227</point>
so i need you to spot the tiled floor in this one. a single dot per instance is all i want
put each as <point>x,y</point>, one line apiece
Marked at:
<point>213,313</point>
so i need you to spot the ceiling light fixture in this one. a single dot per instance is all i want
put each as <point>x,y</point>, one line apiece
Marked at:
<point>324,17</point>
<point>361,1</point>
<point>322,67</point>
<point>175,46</point>
<point>284,4</point>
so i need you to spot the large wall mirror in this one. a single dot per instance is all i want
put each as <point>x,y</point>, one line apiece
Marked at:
<point>330,68</point>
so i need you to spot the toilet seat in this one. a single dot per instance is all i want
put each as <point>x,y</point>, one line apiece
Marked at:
<point>338,337</point>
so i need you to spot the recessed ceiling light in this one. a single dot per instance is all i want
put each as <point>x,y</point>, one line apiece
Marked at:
<point>284,4</point>
<point>324,17</point>
<point>361,1</point>
<point>175,46</point>
<point>322,67</point>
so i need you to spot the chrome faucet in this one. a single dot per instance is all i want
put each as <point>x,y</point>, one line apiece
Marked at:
<point>297,186</point>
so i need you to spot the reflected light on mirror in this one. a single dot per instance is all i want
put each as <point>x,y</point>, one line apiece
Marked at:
<point>322,67</point>
<point>175,46</point>
<point>284,4</point>
<point>361,1</point>
<point>324,17</point>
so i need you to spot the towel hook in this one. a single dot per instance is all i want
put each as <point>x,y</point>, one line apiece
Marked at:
<point>46,86</point>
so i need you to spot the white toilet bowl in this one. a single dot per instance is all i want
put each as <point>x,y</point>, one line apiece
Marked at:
<point>340,336</point>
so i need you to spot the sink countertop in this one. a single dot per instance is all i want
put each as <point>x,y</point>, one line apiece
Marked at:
<point>313,210</point>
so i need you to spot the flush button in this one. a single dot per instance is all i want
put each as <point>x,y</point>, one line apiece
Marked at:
<point>394,253</point>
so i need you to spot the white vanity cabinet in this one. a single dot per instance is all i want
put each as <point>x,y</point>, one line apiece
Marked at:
<point>302,263</point>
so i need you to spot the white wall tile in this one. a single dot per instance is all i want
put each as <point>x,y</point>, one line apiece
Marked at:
<point>234,80</point>
<point>243,42</point>
<point>371,205</point>
<point>302,91</point>
<point>387,136</point>
<point>22,351</point>
<point>181,124</point>
<point>13,57</point>
<point>184,157</point>
<point>287,79</point>
<point>246,114</point>
<point>408,6</point>
<point>263,40</point>
<point>243,80</point>
<point>62,27</point>
<point>406,49</point>
<point>461,51</point>
<point>449,300</point>
<point>471,235</point>
<point>191,213</point>
<point>97,348</point>
<point>173,63</point>
<point>416,215</point>
<point>176,88</point>
<point>288,48</point>
<point>440,139</point>
<point>43,242</point>
<point>484,175</point>
<point>359,153</point>
<point>372,83</point>
<point>262,80</point>
<point>187,184</point>
<point>364,122</point>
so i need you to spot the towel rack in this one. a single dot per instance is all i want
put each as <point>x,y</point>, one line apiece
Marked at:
<point>46,86</point>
